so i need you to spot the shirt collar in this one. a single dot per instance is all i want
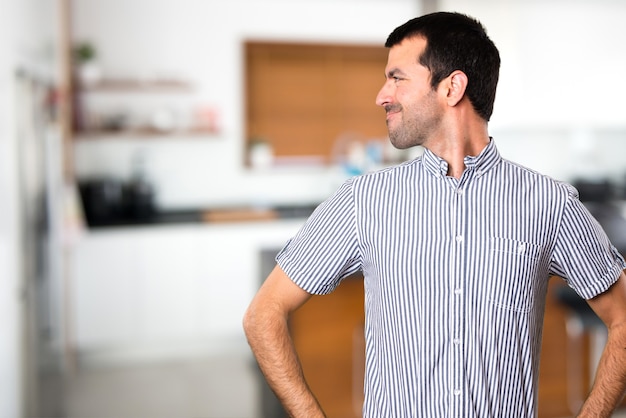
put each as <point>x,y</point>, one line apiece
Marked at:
<point>481,163</point>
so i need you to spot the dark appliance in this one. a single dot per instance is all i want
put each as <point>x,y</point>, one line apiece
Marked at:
<point>108,201</point>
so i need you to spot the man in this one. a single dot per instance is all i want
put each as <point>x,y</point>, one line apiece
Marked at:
<point>456,249</point>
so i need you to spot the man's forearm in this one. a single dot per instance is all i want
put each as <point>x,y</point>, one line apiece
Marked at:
<point>273,348</point>
<point>610,382</point>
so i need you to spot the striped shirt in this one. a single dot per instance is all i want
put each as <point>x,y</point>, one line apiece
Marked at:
<point>456,274</point>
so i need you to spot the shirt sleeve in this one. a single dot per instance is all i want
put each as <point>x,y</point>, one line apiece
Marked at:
<point>583,254</point>
<point>325,250</point>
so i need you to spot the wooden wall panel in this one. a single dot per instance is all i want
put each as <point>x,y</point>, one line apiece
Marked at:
<point>302,97</point>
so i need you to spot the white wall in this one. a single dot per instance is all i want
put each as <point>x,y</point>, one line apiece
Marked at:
<point>558,108</point>
<point>559,83</point>
<point>202,41</point>
<point>10,378</point>
<point>26,42</point>
<point>559,60</point>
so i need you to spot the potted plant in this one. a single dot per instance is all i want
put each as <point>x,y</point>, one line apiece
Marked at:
<point>87,67</point>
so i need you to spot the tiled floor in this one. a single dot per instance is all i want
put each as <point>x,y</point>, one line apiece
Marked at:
<point>220,387</point>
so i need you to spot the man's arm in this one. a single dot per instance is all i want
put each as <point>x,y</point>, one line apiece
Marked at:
<point>610,381</point>
<point>266,326</point>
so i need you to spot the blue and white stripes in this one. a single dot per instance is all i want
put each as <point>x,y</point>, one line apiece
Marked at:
<point>456,274</point>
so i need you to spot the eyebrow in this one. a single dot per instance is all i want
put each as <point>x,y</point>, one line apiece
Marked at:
<point>394,72</point>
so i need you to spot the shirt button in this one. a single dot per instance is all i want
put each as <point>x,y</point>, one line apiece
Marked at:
<point>459,192</point>
<point>521,248</point>
<point>459,238</point>
<point>456,341</point>
<point>457,392</point>
<point>457,291</point>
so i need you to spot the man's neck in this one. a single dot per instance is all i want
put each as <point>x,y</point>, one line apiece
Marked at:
<point>454,145</point>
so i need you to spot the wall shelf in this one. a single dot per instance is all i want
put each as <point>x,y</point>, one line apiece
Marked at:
<point>138,86</point>
<point>144,134</point>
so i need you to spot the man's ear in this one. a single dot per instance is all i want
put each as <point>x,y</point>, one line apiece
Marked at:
<point>456,84</point>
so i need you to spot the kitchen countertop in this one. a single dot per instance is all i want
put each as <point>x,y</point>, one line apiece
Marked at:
<point>215,215</point>
<point>611,215</point>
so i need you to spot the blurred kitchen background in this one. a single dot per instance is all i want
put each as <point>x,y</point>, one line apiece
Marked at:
<point>155,154</point>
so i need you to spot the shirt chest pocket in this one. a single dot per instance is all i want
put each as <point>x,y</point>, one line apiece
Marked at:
<point>513,267</point>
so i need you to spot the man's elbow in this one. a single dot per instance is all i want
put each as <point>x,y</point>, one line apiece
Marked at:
<point>249,322</point>
<point>256,319</point>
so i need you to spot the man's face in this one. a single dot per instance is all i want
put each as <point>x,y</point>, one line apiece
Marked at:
<point>412,107</point>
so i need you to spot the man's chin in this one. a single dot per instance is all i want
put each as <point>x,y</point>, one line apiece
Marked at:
<point>398,143</point>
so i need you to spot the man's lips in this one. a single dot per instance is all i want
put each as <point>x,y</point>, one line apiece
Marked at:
<point>391,114</point>
<point>391,111</point>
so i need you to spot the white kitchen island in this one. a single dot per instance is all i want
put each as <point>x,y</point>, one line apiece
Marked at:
<point>161,291</point>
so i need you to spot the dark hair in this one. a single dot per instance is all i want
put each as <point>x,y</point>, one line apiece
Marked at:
<point>455,41</point>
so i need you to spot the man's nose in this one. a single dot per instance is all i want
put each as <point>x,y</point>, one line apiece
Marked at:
<point>384,95</point>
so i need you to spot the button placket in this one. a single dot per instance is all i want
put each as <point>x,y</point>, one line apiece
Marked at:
<point>457,299</point>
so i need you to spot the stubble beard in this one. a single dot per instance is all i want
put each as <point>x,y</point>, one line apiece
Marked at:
<point>413,132</point>
<point>414,127</point>
<point>403,137</point>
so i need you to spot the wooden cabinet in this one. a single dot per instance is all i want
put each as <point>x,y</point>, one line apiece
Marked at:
<point>556,385</point>
<point>328,334</point>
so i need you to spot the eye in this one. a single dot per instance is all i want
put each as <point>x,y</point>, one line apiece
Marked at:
<point>396,76</point>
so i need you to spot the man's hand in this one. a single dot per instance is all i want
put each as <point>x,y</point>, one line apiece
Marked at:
<point>610,382</point>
